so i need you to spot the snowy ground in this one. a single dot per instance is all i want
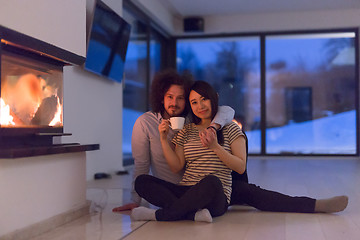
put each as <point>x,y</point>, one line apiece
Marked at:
<point>331,135</point>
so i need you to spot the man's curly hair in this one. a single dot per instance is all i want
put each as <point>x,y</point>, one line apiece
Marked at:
<point>161,84</point>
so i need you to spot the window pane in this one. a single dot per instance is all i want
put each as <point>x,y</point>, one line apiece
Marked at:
<point>135,92</point>
<point>157,43</point>
<point>232,66</point>
<point>156,53</point>
<point>311,94</point>
<point>144,58</point>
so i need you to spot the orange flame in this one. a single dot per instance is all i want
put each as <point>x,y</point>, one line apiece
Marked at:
<point>5,117</point>
<point>57,118</point>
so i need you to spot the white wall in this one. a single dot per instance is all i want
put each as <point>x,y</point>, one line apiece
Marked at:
<point>283,21</point>
<point>93,111</point>
<point>93,114</point>
<point>60,23</point>
<point>37,188</point>
<point>161,14</point>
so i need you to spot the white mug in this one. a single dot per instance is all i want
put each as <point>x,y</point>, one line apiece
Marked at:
<point>177,123</point>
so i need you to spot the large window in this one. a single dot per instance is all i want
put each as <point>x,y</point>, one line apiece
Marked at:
<point>292,93</point>
<point>144,58</point>
<point>311,94</point>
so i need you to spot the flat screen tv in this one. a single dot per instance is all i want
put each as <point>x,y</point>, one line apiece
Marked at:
<point>107,43</point>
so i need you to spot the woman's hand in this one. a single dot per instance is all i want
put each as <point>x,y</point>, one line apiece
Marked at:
<point>236,160</point>
<point>164,129</point>
<point>174,158</point>
<point>208,138</point>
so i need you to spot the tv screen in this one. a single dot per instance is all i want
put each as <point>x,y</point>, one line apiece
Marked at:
<point>107,43</point>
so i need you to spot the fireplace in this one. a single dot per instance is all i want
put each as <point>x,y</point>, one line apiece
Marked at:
<point>31,111</point>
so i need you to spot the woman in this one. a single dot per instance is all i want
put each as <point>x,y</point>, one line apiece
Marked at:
<point>205,189</point>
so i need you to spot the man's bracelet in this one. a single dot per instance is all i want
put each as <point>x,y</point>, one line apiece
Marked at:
<point>212,127</point>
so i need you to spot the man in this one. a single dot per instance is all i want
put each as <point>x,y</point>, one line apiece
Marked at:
<point>169,93</point>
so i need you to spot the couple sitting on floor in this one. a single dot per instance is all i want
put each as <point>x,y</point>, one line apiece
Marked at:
<point>200,170</point>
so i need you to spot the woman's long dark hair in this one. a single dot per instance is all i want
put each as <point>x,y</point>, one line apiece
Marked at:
<point>208,92</point>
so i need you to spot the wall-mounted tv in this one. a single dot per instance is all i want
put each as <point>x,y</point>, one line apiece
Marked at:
<point>107,43</point>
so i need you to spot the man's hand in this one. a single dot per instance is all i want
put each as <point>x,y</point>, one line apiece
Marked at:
<point>164,129</point>
<point>126,207</point>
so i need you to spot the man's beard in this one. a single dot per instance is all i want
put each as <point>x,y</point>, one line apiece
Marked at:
<point>173,111</point>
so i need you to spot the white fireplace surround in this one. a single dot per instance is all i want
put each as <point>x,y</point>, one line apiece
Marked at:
<point>92,105</point>
<point>39,192</point>
<point>36,189</point>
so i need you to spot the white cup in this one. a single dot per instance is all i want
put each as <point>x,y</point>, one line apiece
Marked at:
<point>177,123</point>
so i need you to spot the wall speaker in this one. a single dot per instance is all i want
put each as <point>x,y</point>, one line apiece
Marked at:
<point>193,24</point>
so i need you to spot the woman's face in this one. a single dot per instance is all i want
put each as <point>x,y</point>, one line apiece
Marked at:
<point>200,106</point>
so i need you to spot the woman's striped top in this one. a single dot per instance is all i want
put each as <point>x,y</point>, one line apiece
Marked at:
<point>201,161</point>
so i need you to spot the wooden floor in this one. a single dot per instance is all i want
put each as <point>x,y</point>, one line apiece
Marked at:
<point>316,178</point>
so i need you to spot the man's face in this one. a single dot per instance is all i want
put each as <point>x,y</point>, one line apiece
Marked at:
<point>174,101</point>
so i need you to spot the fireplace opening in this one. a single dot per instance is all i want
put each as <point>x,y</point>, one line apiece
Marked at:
<point>31,93</point>
<point>31,96</point>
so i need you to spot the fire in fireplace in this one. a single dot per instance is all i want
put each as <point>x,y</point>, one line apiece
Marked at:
<point>31,92</point>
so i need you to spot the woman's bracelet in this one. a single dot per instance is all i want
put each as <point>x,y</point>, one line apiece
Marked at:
<point>212,127</point>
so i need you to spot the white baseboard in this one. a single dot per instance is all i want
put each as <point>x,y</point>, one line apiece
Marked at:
<point>48,224</point>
